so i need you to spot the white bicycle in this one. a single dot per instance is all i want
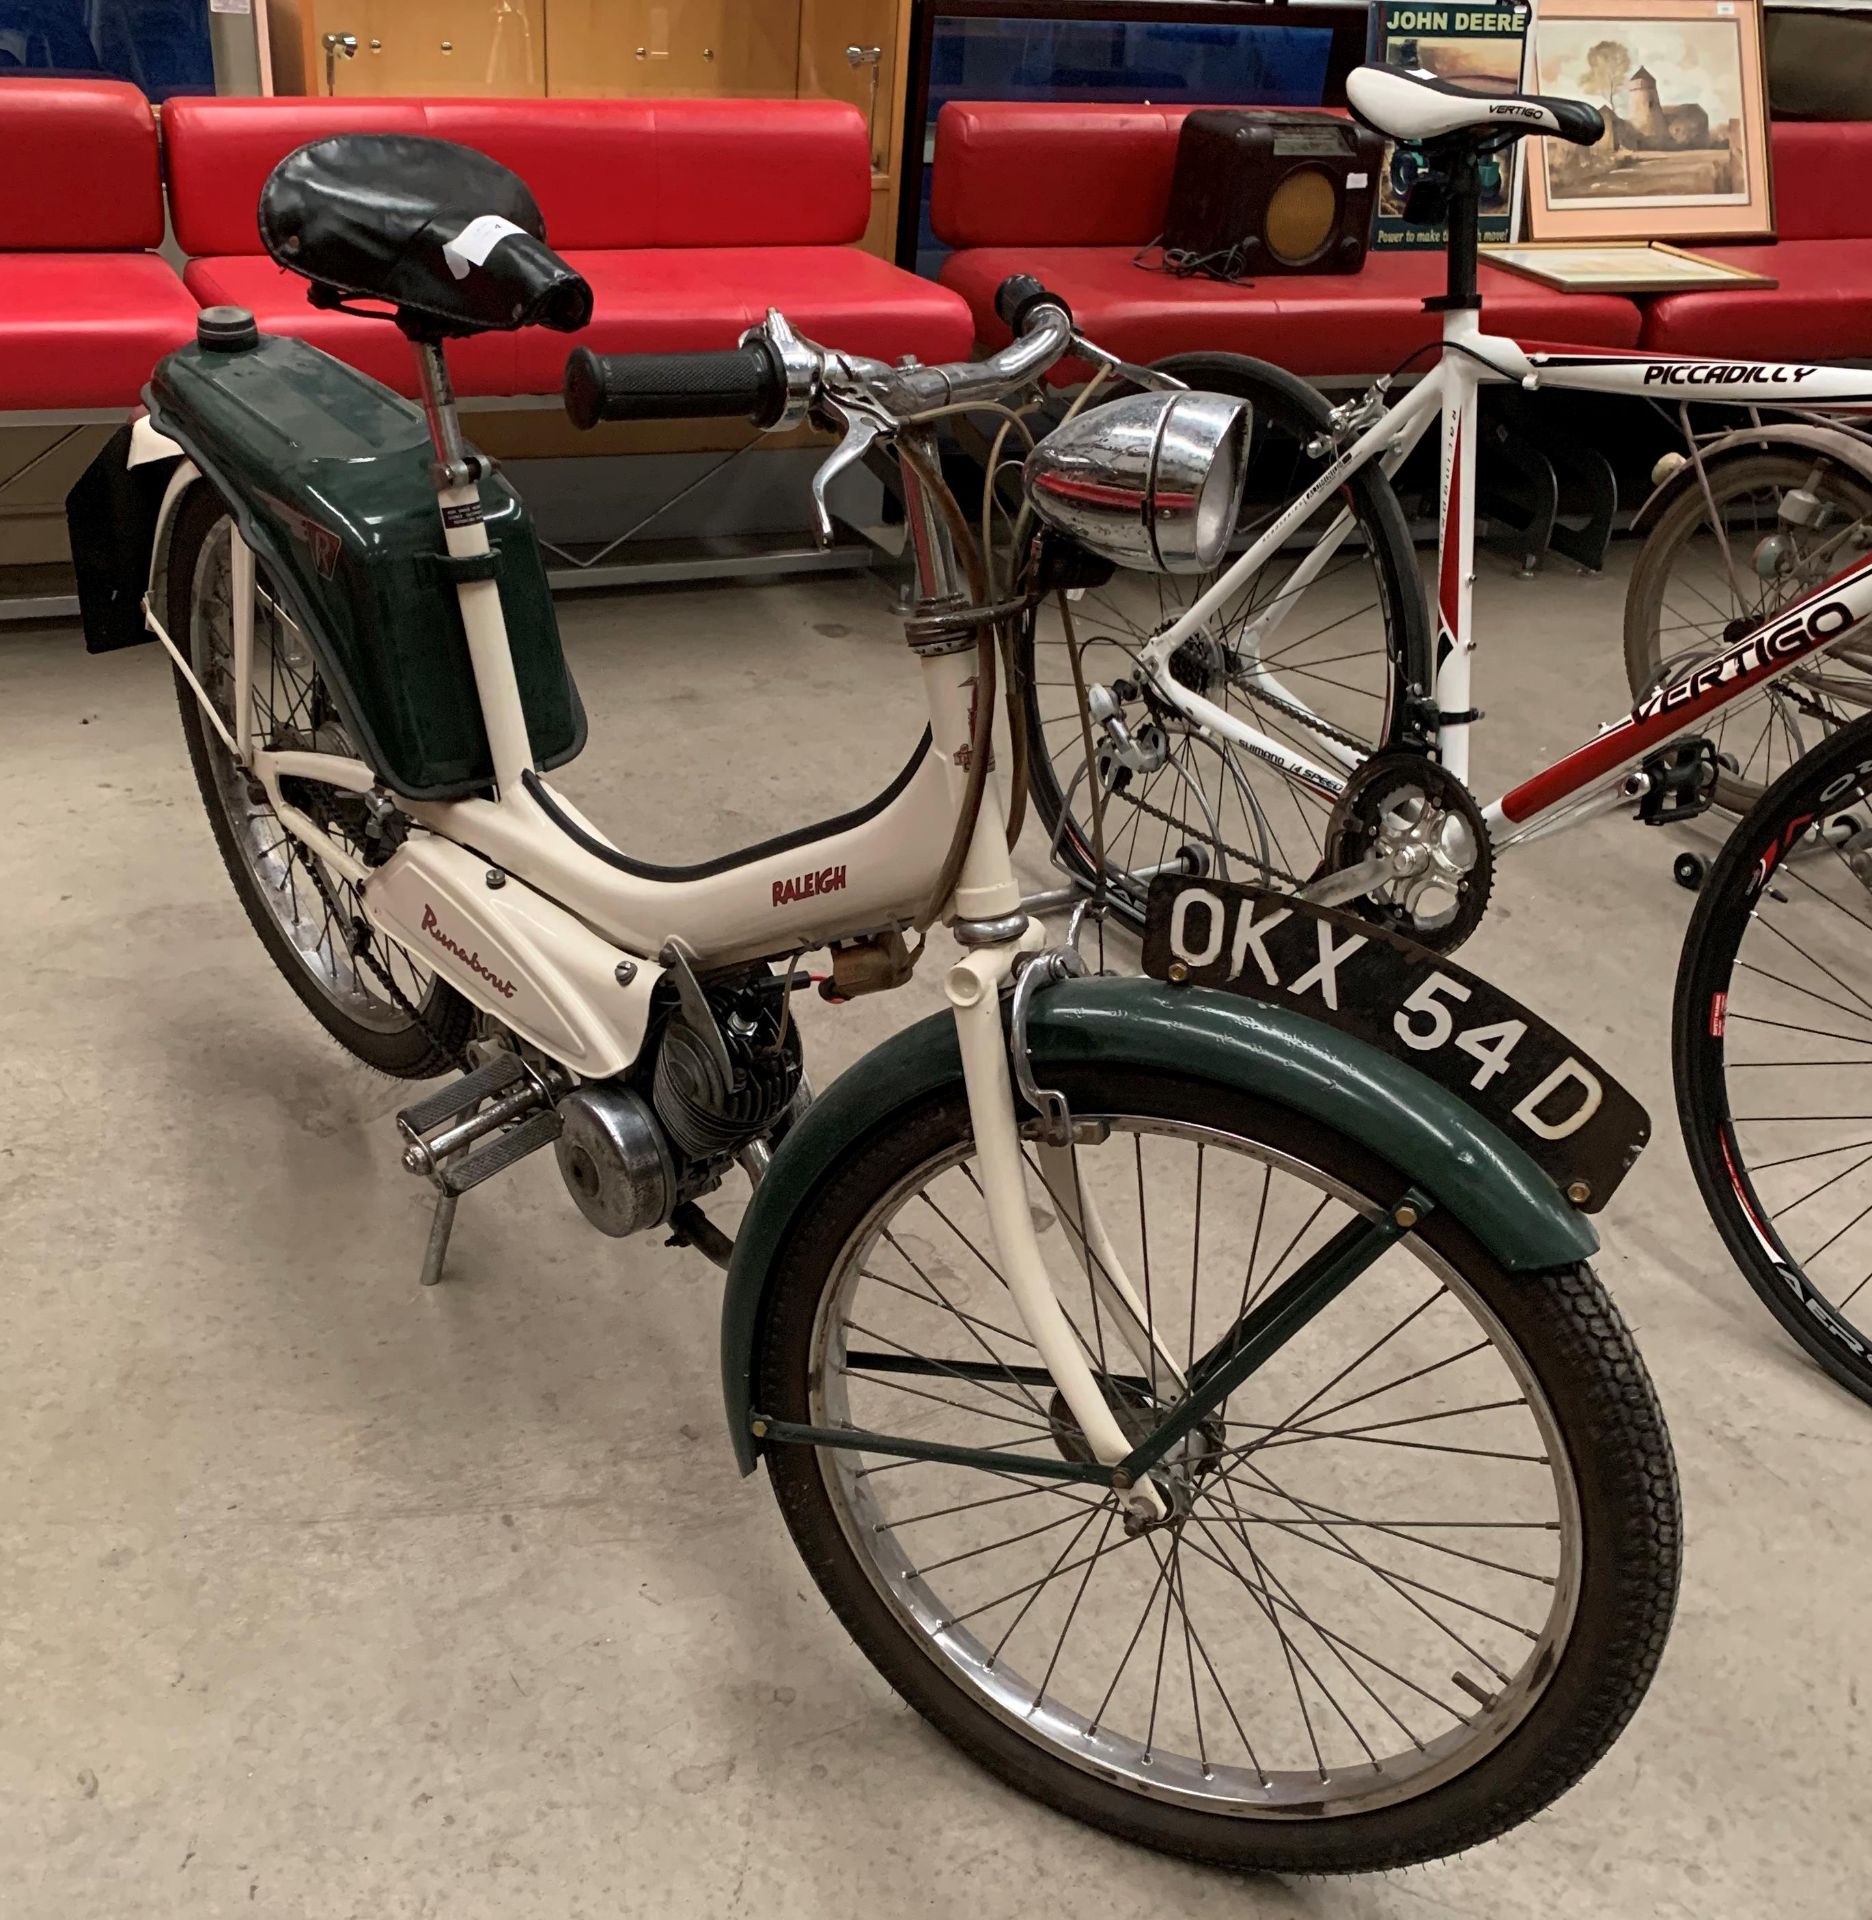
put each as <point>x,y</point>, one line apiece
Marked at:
<point>1206,1420</point>
<point>1293,716</point>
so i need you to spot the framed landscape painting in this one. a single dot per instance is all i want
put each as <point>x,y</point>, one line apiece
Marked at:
<point>1685,153</point>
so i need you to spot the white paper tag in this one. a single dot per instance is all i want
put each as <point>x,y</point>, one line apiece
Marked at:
<point>1354,181</point>
<point>230,6</point>
<point>479,238</point>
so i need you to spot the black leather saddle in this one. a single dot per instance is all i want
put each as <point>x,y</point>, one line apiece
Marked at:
<point>451,239</point>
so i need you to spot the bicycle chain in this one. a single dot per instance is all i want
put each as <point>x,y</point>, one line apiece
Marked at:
<point>357,934</point>
<point>1215,840</point>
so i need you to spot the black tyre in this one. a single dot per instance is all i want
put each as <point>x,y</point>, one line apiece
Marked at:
<point>1772,1041</point>
<point>308,919</point>
<point>1349,647</point>
<point>1782,524</point>
<point>1420,1567</point>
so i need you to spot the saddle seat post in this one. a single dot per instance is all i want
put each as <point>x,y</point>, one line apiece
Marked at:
<point>472,562</point>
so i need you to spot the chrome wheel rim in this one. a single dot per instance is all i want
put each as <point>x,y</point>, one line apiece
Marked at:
<point>1267,1711</point>
<point>290,705</point>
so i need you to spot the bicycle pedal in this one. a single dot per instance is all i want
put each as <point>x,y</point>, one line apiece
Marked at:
<point>463,1095</point>
<point>470,1169</point>
<point>1676,783</point>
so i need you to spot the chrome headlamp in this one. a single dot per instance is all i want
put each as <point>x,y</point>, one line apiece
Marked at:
<point>1151,481</point>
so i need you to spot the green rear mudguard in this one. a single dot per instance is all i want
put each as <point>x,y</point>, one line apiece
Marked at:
<point>1436,1142</point>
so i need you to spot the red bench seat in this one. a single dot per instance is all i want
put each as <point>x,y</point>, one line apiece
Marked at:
<point>1072,192</point>
<point>1822,308</point>
<point>86,309</point>
<point>689,218</point>
<point>1316,325</point>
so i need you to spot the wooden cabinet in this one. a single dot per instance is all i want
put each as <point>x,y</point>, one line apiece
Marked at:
<point>673,48</point>
<point>416,47</point>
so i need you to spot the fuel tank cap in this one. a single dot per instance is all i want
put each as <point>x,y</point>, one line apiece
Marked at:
<point>226,330</point>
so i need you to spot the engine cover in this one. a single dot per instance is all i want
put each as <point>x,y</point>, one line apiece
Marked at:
<point>615,1159</point>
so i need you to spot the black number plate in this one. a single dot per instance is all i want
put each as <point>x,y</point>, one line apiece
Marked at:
<point>1572,1118</point>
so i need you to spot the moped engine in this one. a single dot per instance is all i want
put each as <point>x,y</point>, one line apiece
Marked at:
<point>728,1068</point>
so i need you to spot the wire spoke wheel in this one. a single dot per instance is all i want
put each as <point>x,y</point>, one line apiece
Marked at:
<point>1773,1046</point>
<point>1369,1607</point>
<point>1314,651</point>
<point>307,913</point>
<point>1714,570</point>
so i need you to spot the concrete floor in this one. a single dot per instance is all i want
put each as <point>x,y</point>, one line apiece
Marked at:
<point>322,1595</point>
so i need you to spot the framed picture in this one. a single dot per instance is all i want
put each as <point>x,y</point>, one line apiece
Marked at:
<point>1685,153</point>
<point>1620,266</point>
<point>1481,47</point>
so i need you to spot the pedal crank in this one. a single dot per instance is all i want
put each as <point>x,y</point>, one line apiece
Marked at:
<point>472,1129</point>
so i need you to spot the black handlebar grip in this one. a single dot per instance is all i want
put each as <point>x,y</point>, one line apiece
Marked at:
<point>743,381</point>
<point>1018,295</point>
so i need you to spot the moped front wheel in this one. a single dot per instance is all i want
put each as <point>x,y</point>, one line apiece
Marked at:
<point>1414,1575</point>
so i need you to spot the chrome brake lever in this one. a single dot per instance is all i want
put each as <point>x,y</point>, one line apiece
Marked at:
<point>861,435</point>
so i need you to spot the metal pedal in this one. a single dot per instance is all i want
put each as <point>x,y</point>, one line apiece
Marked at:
<point>459,1096</point>
<point>506,1104</point>
<point>470,1169</point>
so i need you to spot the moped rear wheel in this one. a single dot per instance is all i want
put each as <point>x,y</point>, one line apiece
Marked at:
<point>1417,1571</point>
<point>308,917</point>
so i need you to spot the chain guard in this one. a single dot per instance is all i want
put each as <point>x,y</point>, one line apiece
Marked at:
<point>1368,816</point>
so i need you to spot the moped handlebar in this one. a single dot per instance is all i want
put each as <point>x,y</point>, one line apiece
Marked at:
<point>776,379</point>
<point>746,380</point>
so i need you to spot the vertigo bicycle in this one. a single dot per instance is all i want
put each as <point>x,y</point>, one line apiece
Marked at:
<point>1206,1420</point>
<point>1298,720</point>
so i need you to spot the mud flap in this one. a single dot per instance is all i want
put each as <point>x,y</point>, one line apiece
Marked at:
<point>110,516</point>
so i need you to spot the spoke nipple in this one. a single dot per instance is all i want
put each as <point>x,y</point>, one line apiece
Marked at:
<point>1405,1216</point>
<point>1579,1193</point>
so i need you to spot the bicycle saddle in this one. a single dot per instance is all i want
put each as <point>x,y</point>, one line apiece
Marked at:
<point>450,238</point>
<point>1404,104</point>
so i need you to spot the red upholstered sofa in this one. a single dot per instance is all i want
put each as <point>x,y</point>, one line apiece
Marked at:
<point>1822,308</point>
<point>86,308</point>
<point>1071,193</point>
<point>689,218</point>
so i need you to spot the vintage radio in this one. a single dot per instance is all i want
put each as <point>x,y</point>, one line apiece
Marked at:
<point>1261,191</point>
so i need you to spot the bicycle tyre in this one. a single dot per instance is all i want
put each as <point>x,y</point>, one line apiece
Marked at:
<point>1296,412</point>
<point>1736,893</point>
<point>1562,1324</point>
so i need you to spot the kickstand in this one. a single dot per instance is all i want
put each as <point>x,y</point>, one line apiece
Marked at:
<point>439,1230</point>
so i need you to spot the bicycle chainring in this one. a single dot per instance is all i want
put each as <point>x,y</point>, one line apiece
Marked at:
<point>1412,811</point>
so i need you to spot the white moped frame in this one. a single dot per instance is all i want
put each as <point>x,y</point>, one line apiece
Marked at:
<point>1594,776</point>
<point>564,948</point>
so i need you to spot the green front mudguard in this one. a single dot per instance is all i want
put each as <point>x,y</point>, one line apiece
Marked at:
<point>1437,1143</point>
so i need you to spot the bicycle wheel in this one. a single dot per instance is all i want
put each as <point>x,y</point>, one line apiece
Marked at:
<point>1324,666</point>
<point>1774,1004</point>
<point>1418,1570</point>
<point>309,918</point>
<point>1711,571</point>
